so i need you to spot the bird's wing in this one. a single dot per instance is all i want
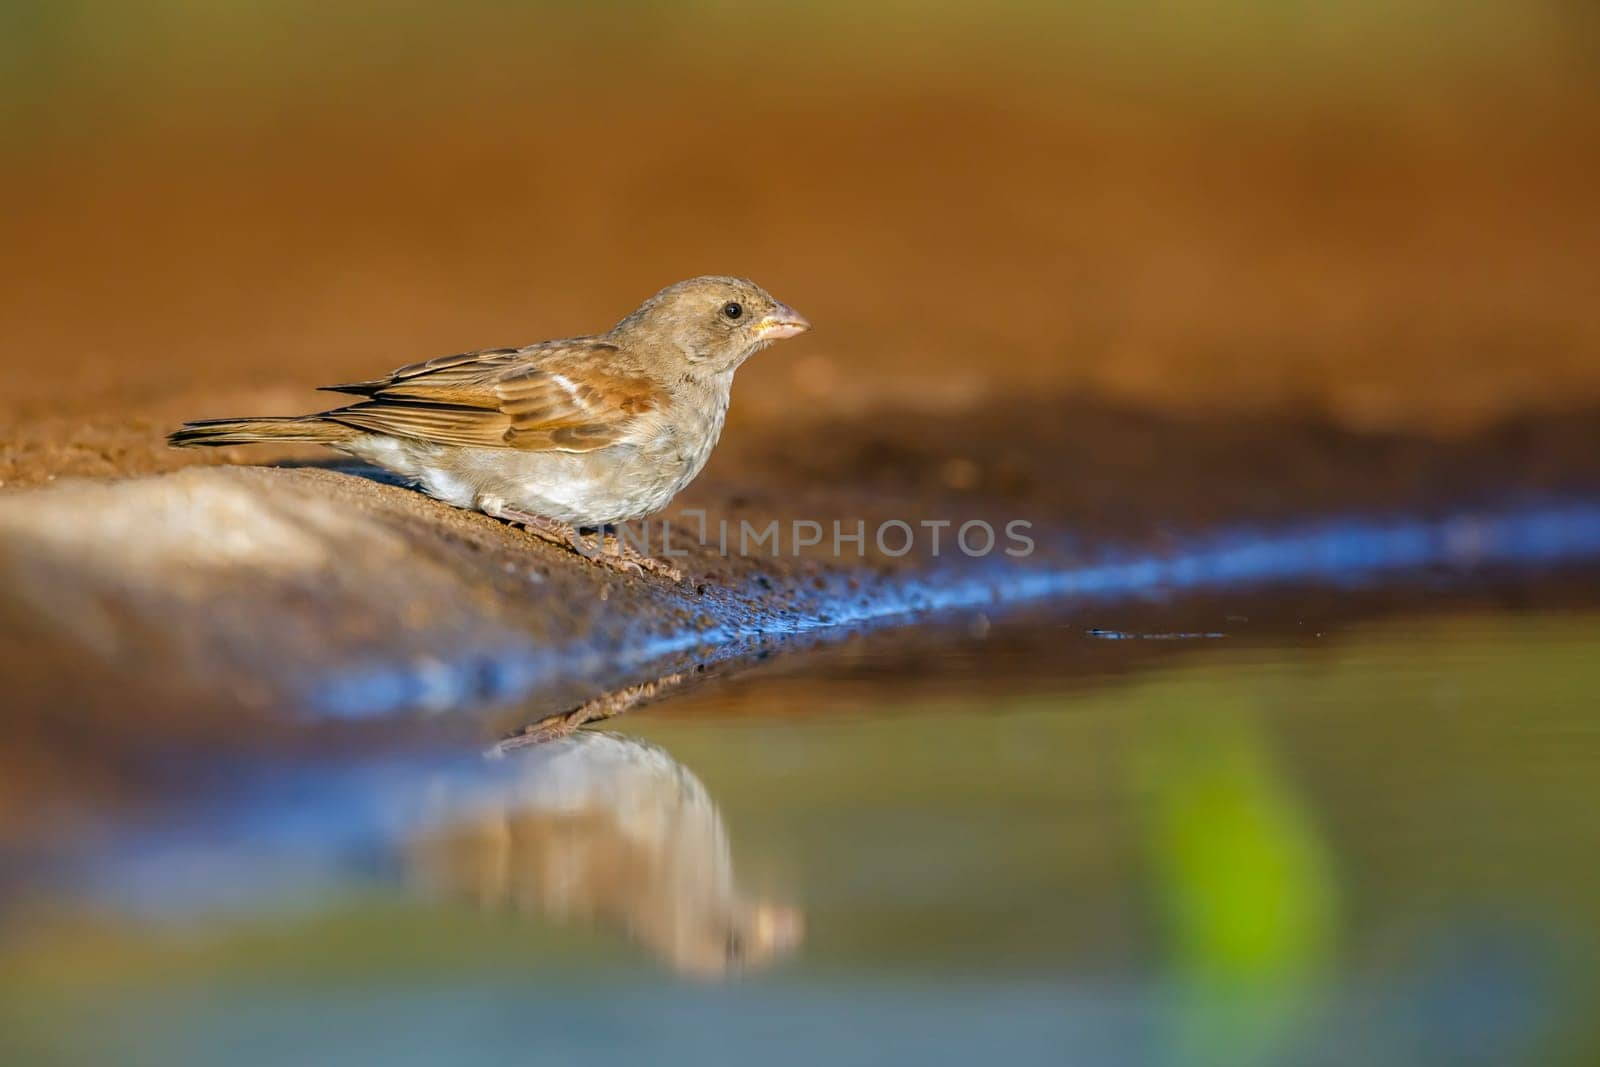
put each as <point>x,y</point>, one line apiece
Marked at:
<point>565,396</point>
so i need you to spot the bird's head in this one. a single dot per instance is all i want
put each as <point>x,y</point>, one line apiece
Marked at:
<point>714,323</point>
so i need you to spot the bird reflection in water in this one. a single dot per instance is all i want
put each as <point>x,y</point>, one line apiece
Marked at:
<point>602,829</point>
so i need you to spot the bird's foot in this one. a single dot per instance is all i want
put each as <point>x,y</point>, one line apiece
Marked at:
<point>549,728</point>
<point>615,552</point>
<point>622,557</point>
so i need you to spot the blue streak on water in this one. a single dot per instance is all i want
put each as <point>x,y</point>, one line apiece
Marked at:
<point>1347,551</point>
<point>1128,635</point>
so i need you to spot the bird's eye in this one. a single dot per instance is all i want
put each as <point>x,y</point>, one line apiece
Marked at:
<point>733,309</point>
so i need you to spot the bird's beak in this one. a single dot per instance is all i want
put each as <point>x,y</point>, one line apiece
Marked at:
<point>784,321</point>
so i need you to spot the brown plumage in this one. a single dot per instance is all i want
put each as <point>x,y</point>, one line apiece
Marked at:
<point>585,431</point>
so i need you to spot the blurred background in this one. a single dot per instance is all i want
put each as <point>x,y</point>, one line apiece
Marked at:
<point>1378,213</point>
<point>1356,831</point>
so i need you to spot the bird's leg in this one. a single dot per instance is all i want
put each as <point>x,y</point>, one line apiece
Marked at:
<point>552,530</point>
<point>567,536</point>
<point>563,724</point>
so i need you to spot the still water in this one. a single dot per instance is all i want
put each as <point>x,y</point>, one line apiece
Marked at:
<point>1367,843</point>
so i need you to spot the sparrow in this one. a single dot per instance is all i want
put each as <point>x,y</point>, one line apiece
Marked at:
<point>604,830</point>
<point>582,432</point>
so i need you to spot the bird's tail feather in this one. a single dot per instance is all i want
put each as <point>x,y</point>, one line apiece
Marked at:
<point>313,429</point>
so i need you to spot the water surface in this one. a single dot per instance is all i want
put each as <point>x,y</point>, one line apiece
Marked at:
<point>1279,843</point>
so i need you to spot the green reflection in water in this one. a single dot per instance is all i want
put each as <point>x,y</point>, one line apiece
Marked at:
<point>1246,884</point>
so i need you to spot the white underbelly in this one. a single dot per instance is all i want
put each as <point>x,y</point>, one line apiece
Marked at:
<point>586,489</point>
